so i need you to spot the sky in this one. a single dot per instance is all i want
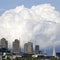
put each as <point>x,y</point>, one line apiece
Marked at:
<point>10,4</point>
<point>31,20</point>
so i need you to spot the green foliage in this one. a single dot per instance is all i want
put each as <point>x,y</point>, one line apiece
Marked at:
<point>54,59</point>
<point>58,59</point>
<point>8,58</point>
<point>27,58</point>
<point>17,58</point>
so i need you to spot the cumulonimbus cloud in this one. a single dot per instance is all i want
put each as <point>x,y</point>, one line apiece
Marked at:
<point>38,24</point>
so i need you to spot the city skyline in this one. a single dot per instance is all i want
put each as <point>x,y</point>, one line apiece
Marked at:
<point>16,48</point>
<point>28,48</point>
<point>31,20</point>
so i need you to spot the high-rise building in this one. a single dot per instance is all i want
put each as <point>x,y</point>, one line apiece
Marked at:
<point>16,47</point>
<point>4,43</point>
<point>37,51</point>
<point>28,48</point>
<point>54,52</point>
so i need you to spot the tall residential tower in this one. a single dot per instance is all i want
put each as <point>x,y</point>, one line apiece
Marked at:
<point>4,43</point>
<point>28,48</point>
<point>16,47</point>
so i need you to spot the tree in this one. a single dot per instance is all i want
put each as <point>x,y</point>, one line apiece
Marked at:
<point>8,58</point>
<point>53,59</point>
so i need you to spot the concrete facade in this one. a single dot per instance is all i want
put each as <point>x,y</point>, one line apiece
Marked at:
<point>4,43</point>
<point>16,47</point>
<point>28,48</point>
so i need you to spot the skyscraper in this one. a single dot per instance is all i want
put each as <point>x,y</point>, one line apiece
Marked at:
<point>37,49</point>
<point>4,43</point>
<point>28,48</point>
<point>16,47</point>
<point>54,52</point>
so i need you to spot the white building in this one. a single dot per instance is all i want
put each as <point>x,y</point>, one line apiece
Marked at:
<point>54,51</point>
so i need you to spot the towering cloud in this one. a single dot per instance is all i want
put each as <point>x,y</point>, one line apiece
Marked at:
<point>38,24</point>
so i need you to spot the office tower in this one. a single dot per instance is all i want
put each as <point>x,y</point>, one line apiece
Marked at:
<point>16,47</point>
<point>4,43</point>
<point>54,52</point>
<point>37,49</point>
<point>28,48</point>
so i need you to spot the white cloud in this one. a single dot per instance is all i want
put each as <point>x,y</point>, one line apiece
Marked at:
<point>40,23</point>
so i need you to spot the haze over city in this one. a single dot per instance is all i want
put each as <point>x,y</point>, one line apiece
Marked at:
<point>32,20</point>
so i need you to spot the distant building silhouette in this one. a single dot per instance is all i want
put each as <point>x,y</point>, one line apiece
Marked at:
<point>58,54</point>
<point>37,51</point>
<point>28,48</point>
<point>4,43</point>
<point>16,47</point>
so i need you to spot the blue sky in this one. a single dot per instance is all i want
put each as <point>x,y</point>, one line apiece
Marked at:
<point>10,4</point>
